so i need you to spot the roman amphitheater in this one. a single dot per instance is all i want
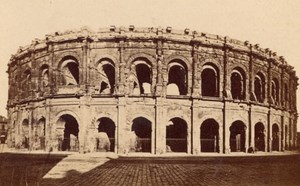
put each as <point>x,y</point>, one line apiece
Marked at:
<point>152,91</point>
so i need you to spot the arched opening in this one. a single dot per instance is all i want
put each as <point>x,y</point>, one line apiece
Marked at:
<point>210,81</point>
<point>238,84</point>
<point>106,75</point>
<point>27,78</point>
<point>259,87</point>
<point>177,77</point>
<point>140,77</point>
<point>26,84</point>
<point>176,135</point>
<point>209,136</point>
<point>25,134</point>
<point>105,139</point>
<point>144,75</point>
<point>70,71</point>
<point>68,133</point>
<point>142,135</point>
<point>275,90</point>
<point>44,75</point>
<point>275,137</point>
<point>237,136</point>
<point>259,137</point>
<point>40,134</point>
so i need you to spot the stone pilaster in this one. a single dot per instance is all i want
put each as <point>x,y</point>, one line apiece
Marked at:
<point>196,144</point>
<point>225,61</point>
<point>268,136</point>
<point>85,61</point>
<point>250,87</point>
<point>52,72</point>
<point>85,121</point>
<point>34,84</point>
<point>83,64</point>
<point>30,127</point>
<point>47,127</point>
<point>196,79</point>
<point>160,62</point>
<point>122,130</point>
<point>160,127</point>
<point>252,128</point>
<point>226,131</point>
<point>122,78</point>
<point>282,134</point>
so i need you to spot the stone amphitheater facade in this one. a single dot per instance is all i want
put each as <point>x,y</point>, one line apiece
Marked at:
<point>150,90</point>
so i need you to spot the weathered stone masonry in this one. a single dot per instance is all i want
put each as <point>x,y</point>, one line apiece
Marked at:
<point>150,90</point>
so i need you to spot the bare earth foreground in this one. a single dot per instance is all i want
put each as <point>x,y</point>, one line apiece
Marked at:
<point>95,169</point>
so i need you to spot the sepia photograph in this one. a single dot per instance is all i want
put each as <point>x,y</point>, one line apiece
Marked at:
<point>149,92</point>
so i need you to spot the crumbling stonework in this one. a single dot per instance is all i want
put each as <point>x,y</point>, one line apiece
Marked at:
<point>150,90</point>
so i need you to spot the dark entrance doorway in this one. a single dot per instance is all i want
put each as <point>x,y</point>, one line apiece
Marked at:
<point>259,137</point>
<point>209,136</point>
<point>106,126</point>
<point>25,134</point>
<point>176,137</point>
<point>237,136</point>
<point>70,133</point>
<point>275,137</point>
<point>41,133</point>
<point>142,129</point>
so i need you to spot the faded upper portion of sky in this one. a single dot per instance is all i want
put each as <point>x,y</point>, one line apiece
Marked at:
<point>273,24</point>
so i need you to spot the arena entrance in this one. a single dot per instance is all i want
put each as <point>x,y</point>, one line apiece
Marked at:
<point>176,136</point>
<point>259,137</point>
<point>209,136</point>
<point>237,136</point>
<point>39,134</point>
<point>25,134</point>
<point>275,137</point>
<point>141,140</point>
<point>69,129</point>
<point>105,139</point>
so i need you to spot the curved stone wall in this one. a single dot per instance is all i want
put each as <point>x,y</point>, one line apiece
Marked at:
<point>150,90</point>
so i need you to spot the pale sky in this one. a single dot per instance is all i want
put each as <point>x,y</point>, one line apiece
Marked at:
<point>273,24</point>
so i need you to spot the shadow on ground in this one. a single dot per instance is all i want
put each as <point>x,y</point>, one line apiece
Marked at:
<point>25,169</point>
<point>260,170</point>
